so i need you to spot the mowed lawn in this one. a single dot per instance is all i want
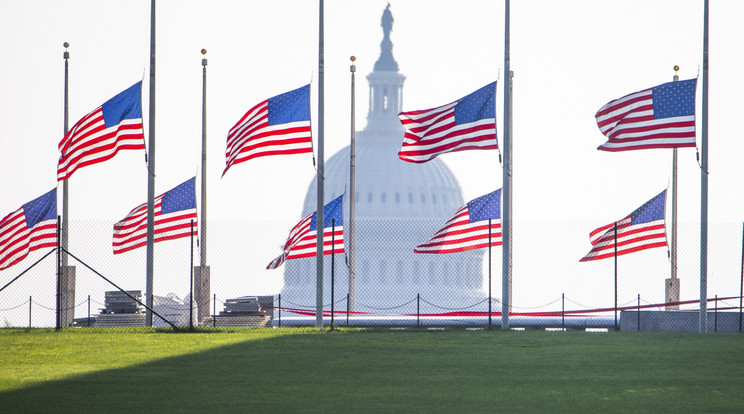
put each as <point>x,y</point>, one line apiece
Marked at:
<point>369,371</point>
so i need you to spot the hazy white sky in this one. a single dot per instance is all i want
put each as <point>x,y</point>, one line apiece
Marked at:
<point>569,58</point>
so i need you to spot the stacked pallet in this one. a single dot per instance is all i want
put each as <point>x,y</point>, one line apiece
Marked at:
<point>120,302</point>
<point>120,319</point>
<point>245,311</point>
<point>121,309</point>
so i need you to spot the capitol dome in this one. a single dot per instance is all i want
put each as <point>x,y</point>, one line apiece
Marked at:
<point>398,205</point>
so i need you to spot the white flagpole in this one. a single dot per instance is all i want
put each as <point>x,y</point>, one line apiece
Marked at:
<point>352,190</point>
<point>506,222</point>
<point>202,290</point>
<point>320,178</point>
<point>151,173</point>
<point>203,235</point>
<point>703,325</point>
<point>672,284</point>
<point>65,188</point>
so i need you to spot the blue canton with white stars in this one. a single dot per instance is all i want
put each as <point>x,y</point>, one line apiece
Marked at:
<point>332,214</point>
<point>485,207</point>
<point>652,210</point>
<point>289,107</point>
<point>480,104</point>
<point>125,105</point>
<point>180,198</point>
<point>674,99</point>
<point>41,209</point>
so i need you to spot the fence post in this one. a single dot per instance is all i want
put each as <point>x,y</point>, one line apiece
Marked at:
<point>563,311</point>
<point>418,309</point>
<point>638,312</point>
<point>347,310</point>
<point>214,311</point>
<point>280,310</point>
<point>88,311</point>
<point>30,300</point>
<point>715,317</point>
<point>191,280</point>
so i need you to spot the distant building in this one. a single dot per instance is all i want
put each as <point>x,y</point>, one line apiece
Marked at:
<point>398,206</point>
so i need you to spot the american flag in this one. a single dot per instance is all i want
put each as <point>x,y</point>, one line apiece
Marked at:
<point>99,136</point>
<point>468,229</point>
<point>658,117</point>
<point>302,241</point>
<point>466,124</point>
<point>174,211</point>
<point>642,229</point>
<point>276,126</point>
<point>31,227</point>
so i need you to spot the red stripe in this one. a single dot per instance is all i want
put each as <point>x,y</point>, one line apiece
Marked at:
<point>648,146</point>
<point>622,115</point>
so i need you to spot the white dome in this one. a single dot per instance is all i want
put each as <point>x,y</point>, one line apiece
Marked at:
<point>398,206</point>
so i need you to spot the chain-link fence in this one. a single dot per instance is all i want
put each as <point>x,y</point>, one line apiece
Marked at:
<point>390,285</point>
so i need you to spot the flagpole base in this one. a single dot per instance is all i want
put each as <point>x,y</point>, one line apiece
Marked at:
<point>671,287</point>
<point>202,296</point>
<point>67,296</point>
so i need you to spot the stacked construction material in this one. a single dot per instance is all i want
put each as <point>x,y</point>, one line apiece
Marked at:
<point>121,309</point>
<point>245,311</point>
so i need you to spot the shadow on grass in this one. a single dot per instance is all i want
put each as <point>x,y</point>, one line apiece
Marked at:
<point>383,371</point>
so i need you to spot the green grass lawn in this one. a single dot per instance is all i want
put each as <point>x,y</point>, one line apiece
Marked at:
<point>356,371</point>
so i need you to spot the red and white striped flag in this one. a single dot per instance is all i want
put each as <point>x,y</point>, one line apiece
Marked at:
<point>99,136</point>
<point>468,229</point>
<point>658,117</point>
<point>31,227</point>
<point>466,124</point>
<point>302,240</point>
<point>276,126</point>
<point>174,211</point>
<point>643,229</point>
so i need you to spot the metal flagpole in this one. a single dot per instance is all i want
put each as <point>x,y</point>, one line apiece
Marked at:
<point>65,185</point>
<point>506,222</point>
<point>672,285</point>
<point>489,275</point>
<point>320,179</point>
<point>352,190</point>
<point>191,280</point>
<point>202,289</point>
<point>333,272</point>
<point>58,311</point>
<point>616,275</point>
<point>151,173</point>
<point>741,283</point>
<point>703,323</point>
<point>203,235</point>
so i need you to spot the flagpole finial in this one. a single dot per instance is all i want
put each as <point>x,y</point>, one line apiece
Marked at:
<point>353,58</point>
<point>353,66</point>
<point>204,59</point>
<point>66,54</point>
<point>676,68</point>
<point>204,51</point>
<point>66,45</point>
